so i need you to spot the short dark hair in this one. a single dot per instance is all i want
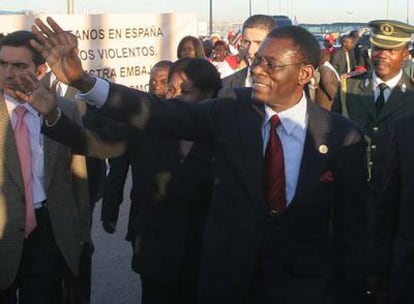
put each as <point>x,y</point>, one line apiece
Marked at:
<point>163,64</point>
<point>264,22</point>
<point>22,39</point>
<point>306,44</point>
<point>221,43</point>
<point>346,37</point>
<point>201,72</point>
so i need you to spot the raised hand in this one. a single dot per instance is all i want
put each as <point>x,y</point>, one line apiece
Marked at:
<point>34,93</point>
<point>60,50</point>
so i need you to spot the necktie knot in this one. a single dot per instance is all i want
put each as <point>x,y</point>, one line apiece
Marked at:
<point>382,87</point>
<point>275,121</point>
<point>380,102</point>
<point>20,111</point>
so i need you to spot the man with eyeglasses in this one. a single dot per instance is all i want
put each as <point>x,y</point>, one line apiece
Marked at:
<point>374,100</point>
<point>287,218</point>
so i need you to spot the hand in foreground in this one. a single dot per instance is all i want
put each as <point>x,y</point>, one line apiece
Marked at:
<point>34,93</point>
<point>60,50</point>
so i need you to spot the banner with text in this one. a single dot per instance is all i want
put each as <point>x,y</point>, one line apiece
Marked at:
<point>121,48</point>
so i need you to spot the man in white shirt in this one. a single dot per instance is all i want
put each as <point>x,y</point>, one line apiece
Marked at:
<point>254,31</point>
<point>44,218</point>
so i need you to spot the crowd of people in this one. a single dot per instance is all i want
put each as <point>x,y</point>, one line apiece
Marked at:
<point>272,171</point>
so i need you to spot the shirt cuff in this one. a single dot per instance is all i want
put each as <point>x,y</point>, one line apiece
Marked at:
<point>98,95</point>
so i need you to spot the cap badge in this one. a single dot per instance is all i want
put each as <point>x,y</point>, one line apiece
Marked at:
<point>387,29</point>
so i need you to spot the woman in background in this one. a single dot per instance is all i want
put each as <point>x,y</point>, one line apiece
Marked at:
<point>190,47</point>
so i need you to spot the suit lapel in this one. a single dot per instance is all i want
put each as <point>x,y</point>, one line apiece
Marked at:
<point>51,151</point>
<point>8,145</point>
<point>240,78</point>
<point>251,145</point>
<point>316,152</point>
<point>70,92</point>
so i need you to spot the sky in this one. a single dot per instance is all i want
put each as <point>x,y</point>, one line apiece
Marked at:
<point>305,11</point>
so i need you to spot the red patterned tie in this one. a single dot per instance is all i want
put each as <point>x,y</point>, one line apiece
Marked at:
<point>22,138</point>
<point>275,169</point>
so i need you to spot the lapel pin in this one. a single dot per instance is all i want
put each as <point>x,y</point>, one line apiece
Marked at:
<point>403,88</point>
<point>323,149</point>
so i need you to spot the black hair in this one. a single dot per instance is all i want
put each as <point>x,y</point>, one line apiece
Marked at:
<point>306,44</point>
<point>264,22</point>
<point>22,39</point>
<point>201,72</point>
<point>163,64</point>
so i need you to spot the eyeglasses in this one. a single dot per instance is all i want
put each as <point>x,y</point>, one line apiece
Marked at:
<point>270,66</point>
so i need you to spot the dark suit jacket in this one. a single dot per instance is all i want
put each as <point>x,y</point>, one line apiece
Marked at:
<point>338,61</point>
<point>151,159</point>
<point>235,80</point>
<point>316,246</point>
<point>394,225</point>
<point>169,199</point>
<point>67,198</point>
<point>96,167</point>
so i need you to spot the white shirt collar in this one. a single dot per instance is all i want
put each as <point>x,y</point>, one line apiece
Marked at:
<point>12,103</point>
<point>391,83</point>
<point>291,118</point>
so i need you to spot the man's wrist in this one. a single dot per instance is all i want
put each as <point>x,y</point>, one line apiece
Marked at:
<point>85,83</point>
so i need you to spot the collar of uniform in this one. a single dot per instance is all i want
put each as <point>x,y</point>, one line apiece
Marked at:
<point>391,83</point>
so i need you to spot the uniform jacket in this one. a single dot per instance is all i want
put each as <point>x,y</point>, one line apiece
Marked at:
<point>360,103</point>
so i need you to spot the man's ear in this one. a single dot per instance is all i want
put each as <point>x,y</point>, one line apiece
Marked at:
<point>306,74</point>
<point>41,71</point>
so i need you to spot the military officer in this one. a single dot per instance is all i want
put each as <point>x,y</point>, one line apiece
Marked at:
<point>375,100</point>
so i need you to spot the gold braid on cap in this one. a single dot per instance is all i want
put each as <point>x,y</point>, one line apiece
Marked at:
<point>392,38</point>
<point>386,46</point>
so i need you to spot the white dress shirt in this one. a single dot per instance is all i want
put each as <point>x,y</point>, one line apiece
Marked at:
<point>391,84</point>
<point>33,122</point>
<point>292,134</point>
<point>348,64</point>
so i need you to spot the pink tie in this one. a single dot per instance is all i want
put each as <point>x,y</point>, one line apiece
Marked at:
<point>21,135</point>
